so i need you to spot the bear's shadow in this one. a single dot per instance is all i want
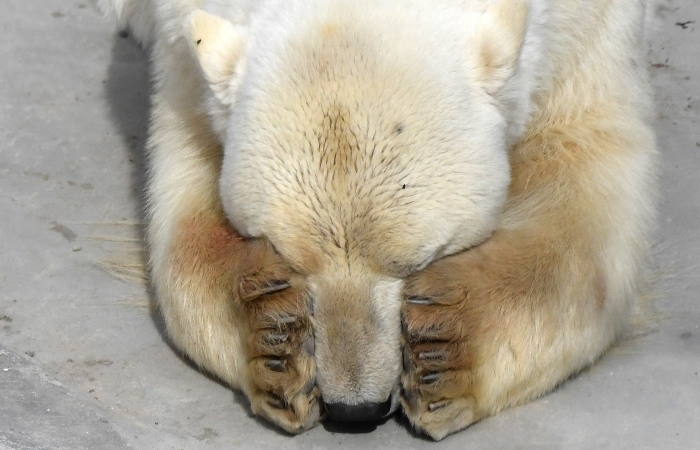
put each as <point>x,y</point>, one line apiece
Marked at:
<point>128,90</point>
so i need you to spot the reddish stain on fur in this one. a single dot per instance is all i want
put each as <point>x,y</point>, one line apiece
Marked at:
<point>206,246</point>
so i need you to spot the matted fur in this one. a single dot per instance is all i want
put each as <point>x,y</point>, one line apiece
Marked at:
<point>444,203</point>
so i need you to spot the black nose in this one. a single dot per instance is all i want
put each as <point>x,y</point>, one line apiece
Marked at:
<point>364,412</point>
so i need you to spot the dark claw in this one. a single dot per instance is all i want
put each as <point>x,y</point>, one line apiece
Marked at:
<point>276,339</point>
<point>407,364</point>
<point>430,378</point>
<point>274,286</point>
<point>433,355</point>
<point>285,319</point>
<point>276,402</point>
<point>437,405</point>
<point>268,288</point>
<point>276,365</point>
<point>420,300</point>
<point>428,334</point>
<point>310,305</point>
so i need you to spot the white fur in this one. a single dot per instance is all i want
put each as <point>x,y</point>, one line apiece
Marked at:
<point>373,138</point>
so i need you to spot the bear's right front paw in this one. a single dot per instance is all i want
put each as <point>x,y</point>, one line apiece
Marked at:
<point>281,372</point>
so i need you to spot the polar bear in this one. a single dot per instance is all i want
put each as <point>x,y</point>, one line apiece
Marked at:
<point>357,206</point>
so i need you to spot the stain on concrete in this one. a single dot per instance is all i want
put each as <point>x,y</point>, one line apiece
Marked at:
<point>32,173</point>
<point>98,362</point>
<point>206,434</point>
<point>685,24</point>
<point>64,231</point>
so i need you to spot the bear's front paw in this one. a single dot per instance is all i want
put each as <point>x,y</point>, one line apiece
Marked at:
<point>281,372</point>
<point>437,379</point>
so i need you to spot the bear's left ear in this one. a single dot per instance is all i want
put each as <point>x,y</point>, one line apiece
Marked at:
<point>496,43</point>
<point>219,48</point>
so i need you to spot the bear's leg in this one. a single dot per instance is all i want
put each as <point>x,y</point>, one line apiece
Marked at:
<point>239,311</point>
<point>233,306</point>
<point>547,294</point>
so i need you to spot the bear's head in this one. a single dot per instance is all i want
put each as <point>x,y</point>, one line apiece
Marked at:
<point>364,143</point>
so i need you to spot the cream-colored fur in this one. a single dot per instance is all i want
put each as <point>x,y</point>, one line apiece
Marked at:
<point>437,203</point>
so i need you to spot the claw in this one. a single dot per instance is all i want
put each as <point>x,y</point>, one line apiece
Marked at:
<point>276,339</point>
<point>419,300</point>
<point>276,365</point>
<point>433,333</point>
<point>274,286</point>
<point>437,405</point>
<point>432,355</point>
<point>407,365</point>
<point>310,304</point>
<point>430,378</point>
<point>268,288</point>
<point>285,319</point>
<point>276,402</point>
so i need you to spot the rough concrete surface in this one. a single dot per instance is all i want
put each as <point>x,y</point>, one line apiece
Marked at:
<point>83,364</point>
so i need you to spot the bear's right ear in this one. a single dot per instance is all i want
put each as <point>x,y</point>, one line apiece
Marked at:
<point>497,40</point>
<point>219,48</point>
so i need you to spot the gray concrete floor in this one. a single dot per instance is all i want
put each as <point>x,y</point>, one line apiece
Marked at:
<point>83,364</point>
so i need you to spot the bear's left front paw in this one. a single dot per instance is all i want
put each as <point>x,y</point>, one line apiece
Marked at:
<point>281,375</point>
<point>437,379</point>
